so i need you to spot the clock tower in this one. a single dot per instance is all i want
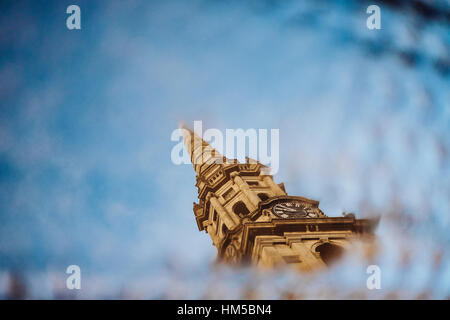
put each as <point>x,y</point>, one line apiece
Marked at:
<point>251,219</point>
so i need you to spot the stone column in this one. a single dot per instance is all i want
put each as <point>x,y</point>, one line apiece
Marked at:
<point>275,188</point>
<point>251,196</point>
<point>212,233</point>
<point>230,220</point>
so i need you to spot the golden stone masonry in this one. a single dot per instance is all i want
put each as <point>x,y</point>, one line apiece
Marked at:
<point>252,219</point>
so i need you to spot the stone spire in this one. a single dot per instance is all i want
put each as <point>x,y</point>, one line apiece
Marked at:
<point>202,153</point>
<point>215,174</point>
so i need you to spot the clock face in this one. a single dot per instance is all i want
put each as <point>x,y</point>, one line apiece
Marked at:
<point>293,209</point>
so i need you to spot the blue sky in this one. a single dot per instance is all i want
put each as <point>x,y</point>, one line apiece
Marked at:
<point>86,117</point>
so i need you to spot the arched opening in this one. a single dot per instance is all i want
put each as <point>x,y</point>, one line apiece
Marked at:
<point>329,253</point>
<point>263,196</point>
<point>240,209</point>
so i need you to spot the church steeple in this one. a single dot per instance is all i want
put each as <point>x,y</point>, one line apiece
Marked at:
<point>251,218</point>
